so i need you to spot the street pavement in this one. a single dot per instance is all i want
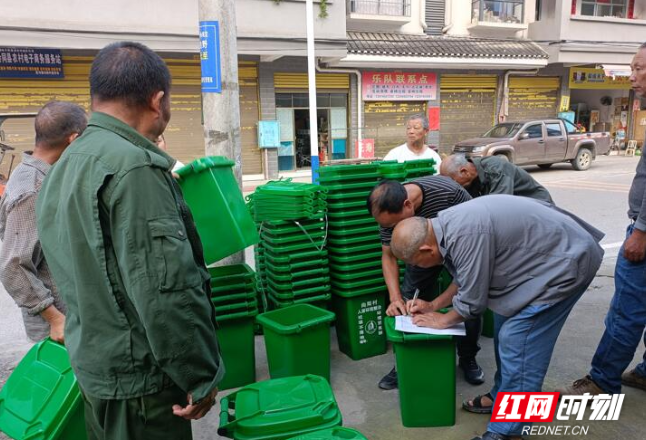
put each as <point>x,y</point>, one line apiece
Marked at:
<point>598,195</point>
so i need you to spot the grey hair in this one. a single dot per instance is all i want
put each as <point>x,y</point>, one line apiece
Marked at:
<point>56,121</point>
<point>420,117</point>
<point>406,246</point>
<point>452,164</point>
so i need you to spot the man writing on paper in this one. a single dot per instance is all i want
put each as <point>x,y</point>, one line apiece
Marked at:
<point>526,260</point>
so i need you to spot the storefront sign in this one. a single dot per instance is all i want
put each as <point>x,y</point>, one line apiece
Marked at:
<point>210,57</point>
<point>434,118</point>
<point>565,103</point>
<point>583,78</point>
<point>30,63</point>
<point>399,86</point>
<point>365,149</point>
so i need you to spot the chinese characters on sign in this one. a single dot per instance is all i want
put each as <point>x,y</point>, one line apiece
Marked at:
<point>30,63</point>
<point>210,57</point>
<point>542,407</point>
<point>584,78</point>
<point>365,149</point>
<point>399,86</point>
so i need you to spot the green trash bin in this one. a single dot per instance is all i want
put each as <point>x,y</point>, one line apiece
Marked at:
<point>297,339</point>
<point>359,324</point>
<point>279,409</point>
<point>221,216</point>
<point>41,399</point>
<point>235,335</point>
<point>426,375</point>
<point>332,434</point>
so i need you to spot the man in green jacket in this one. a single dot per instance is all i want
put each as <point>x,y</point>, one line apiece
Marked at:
<point>492,175</point>
<point>125,254</point>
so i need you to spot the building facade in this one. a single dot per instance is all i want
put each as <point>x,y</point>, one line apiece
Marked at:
<point>467,64</point>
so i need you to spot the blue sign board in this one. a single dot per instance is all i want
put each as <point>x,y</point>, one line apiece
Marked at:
<point>17,62</point>
<point>268,134</point>
<point>210,57</point>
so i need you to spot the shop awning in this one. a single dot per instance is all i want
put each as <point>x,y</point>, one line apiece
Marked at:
<point>615,70</point>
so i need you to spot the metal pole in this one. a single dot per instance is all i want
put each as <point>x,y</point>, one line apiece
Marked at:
<point>221,109</point>
<point>311,75</point>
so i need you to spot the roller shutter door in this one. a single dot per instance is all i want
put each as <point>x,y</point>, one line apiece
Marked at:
<point>468,107</point>
<point>533,98</point>
<point>385,122</point>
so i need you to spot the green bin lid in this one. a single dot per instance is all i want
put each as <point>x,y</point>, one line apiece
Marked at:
<point>279,409</point>
<point>294,319</point>
<point>41,395</point>
<point>332,434</point>
<point>401,337</point>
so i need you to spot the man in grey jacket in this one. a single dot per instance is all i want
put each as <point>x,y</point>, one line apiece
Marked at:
<point>528,261</point>
<point>492,175</point>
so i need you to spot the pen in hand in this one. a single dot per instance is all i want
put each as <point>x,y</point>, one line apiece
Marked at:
<point>412,304</point>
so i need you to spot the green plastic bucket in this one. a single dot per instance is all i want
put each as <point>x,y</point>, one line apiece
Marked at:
<point>297,340</point>
<point>279,409</point>
<point>41,399</point>
<point>221,216</point>
<point>236,339</point>
<point>426,374</point>
<point>359,322</point>
<point>332,434</point>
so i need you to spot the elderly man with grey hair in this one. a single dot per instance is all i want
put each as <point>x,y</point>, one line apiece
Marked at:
<point>526,260</point>
<point>492,175</point>
<point>23,269</point>
<point>415,147</point>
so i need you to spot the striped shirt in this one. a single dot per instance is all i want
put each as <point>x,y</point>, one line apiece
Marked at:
<point>23,270</point>
<point>438,194</point>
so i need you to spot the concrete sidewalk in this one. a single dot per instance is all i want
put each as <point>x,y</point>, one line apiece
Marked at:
<point>376,413</point>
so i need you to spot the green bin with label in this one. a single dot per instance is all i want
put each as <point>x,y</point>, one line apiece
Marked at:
<point>41,399</point>
<point>359,320</point>
<point>426,375</point>
<point>332,434</point>
<point>297,340</point>
<point>222,219</point>
<point>279,409</point>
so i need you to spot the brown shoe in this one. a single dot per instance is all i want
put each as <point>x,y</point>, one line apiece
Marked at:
<point>582,386</point>
<point>632,379</point>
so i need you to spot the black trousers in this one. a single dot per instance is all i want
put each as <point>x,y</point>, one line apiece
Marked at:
<point>426,280</point>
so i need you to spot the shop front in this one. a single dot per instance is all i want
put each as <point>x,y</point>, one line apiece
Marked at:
<point>468,107</point>
<point>292,112</point>
<point>601,102</point>
<point>390,98</point>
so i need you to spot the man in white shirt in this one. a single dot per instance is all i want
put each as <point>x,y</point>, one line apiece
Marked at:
<point>415,147</point>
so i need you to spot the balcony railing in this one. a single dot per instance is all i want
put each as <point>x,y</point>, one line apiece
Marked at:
<point>391,8</point>
<point>498,11</point>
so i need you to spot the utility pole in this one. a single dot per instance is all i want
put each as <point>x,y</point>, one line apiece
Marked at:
<point>220,94</point>
<point>311,76</point>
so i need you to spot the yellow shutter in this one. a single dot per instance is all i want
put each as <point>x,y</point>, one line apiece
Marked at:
<point>300,81</point>
<point>468,82</point>
<point>533,82</point>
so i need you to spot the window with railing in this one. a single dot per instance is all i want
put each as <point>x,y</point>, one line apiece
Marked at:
<point>498,11</point>
<point>604,8</point>
<point>394,8</point>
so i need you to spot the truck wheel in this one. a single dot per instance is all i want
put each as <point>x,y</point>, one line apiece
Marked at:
<point>502,156</point>
<point>583,160</point>
<point>545,166</point>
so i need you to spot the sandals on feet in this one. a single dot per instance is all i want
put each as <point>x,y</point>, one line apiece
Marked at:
<point>476,406</point>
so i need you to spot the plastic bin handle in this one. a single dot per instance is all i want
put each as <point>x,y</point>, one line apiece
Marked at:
<point>225,425</point>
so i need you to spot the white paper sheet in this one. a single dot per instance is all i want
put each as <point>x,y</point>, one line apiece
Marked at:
<point>405,324</point>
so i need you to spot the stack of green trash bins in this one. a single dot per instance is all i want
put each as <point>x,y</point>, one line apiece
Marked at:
<point>354,248</point>
<point>290,257</point>
<point>233,292</point>
<point>411,169</point>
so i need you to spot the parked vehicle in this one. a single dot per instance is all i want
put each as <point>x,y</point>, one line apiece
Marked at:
<point>541,142</point>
